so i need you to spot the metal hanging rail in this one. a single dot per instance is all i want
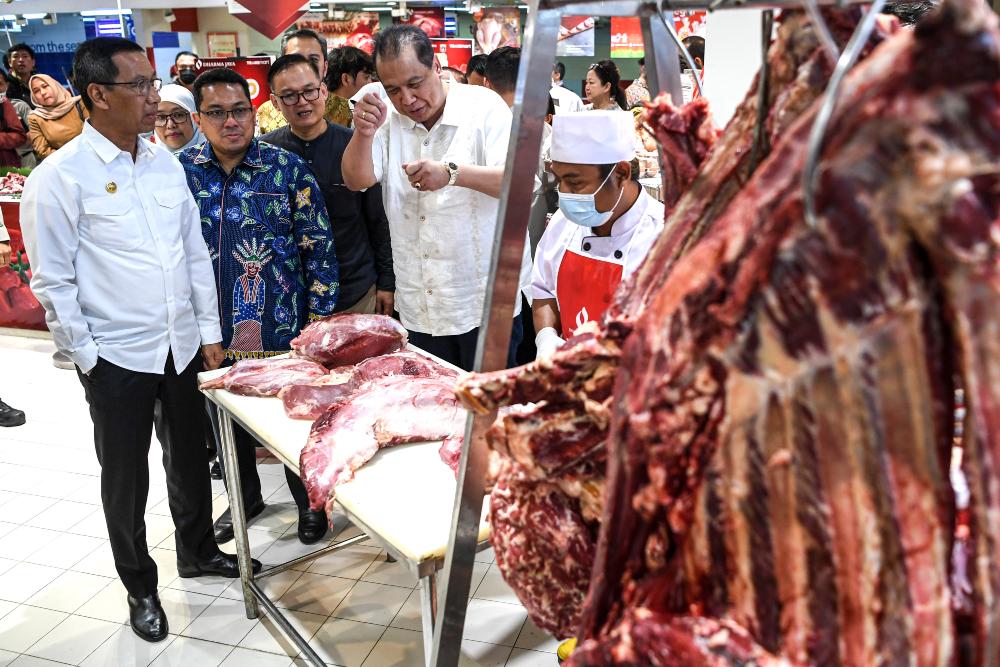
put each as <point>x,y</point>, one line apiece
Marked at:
<point>530,106</point>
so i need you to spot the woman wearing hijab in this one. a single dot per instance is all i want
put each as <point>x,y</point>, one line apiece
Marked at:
<point>57,117</point>
<point>176,120</point>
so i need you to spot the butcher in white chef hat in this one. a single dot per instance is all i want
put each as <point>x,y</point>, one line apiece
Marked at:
<point>603,229</point>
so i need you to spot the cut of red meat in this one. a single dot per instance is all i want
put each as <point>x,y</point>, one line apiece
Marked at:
<point>266,377</point>
<point>388,411</point>
<point>347,339</point>
<point>310,401</point>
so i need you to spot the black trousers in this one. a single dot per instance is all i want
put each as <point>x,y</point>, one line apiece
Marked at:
<point>246,460</point>
<point>123,407</point>
<point>460,349</point>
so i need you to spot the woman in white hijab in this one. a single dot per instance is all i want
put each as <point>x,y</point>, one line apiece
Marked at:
<point>177,119</point>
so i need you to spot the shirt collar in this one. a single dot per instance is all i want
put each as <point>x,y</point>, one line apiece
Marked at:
<point>108,151</point>
<point>252,158</point>
<point>630,219</point>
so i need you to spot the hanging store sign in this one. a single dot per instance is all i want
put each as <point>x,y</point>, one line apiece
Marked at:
<point>576,36</point>
<point>254,70</point>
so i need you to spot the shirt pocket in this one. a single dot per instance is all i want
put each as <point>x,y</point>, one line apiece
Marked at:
<point>108,221</point>
<point>170,207</point>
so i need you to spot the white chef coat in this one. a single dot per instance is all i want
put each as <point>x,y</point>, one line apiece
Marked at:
<point>442,242</point>
<point>566,101</point>
<point>117,256</point>
<point>631,237</point>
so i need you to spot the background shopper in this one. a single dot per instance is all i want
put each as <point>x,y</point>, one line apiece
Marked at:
<point>57,117</point>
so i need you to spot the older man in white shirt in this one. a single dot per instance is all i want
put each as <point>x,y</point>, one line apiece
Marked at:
<point>439,152</point>
<point>125,278</point>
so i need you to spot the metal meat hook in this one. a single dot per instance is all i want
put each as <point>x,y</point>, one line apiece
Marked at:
<point>818,132</point>
<point>679,43</point>
<point>822,30</point>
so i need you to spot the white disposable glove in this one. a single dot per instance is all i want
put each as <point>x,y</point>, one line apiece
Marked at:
<point>547,341</point>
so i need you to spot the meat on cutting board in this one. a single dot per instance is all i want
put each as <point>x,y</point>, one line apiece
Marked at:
<point>310,401</point>
<point>388,411</point>
<point>347,339</point>
<point>266,377</point>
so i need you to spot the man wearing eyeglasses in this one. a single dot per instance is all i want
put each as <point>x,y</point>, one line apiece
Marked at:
<point>360,227</point>
<point>306,43</point>
<point>265,223</point>
<point>121,268</point>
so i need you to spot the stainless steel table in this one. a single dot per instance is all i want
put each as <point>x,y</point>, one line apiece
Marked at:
<point>402,500</point>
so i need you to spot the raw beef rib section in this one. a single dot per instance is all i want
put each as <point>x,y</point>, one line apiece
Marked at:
<point>344,340</point>
<point>385,412</point>
<point>310,401</point>
<point>266,377</point>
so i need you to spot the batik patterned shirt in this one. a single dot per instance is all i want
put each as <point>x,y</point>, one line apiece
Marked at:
<point>271,244</point>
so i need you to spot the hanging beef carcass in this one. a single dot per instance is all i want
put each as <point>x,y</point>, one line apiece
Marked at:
<point>781,427</point>
<point>346,339</point>
<point>559,437</point>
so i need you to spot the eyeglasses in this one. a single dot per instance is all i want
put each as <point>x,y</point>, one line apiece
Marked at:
<point>179,118</point>
<point>141,87</point>
<point>309,95</point>
<point>219,117</point>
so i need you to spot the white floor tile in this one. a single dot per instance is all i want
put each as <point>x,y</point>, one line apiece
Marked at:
<point>481,654</point>
<point>535,639</point>
<point>32,661</point>
<point>213,586</point>
<point>166,564</point>
<point>350,563</point>
<point>66,550</point>
<point>69,591</point>
<point>93,525</point>
<point>64,515</point>
<point>6,607</point>
<point>520,657</point>
<point>182,607</point>
<point>24,507</point>
<point>316,593</point>
<point>6,564</point>
<point>73,640</point>
<point>277,518</point>
<point>289,548</point>
<point>346,643</point>
<point>108,605</point>
<point>372,603</point>
<point>26,625</point>
<point>485,556</point>
<point>125,649</point>
<point>409,617</point>
<point>267,637</point>
<point>493,587</point>
<point>19,543</point>
<point>223,621</point>
<point>398,648</point>
<point>493,622</point>
<point>99,562</point>
<point>260,541</point>
<point>6,527</point>
<point>242,657</point>
<point>392,574</point>
<point>24,580</point>
<point>188,652</point>
<point>274,586</point>
<point>7,657</point>
<point>158,528</point>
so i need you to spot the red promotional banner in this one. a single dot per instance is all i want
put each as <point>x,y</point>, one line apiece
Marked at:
<point>626,33</point>
<point>358,29</point>
<point>19,309</point>
<point>254,70</point>
<point>428,19</point>
<point>454,53</point>
<point>270,17</point>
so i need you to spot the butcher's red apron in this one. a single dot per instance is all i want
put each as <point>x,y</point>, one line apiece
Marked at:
<point>584,288</point>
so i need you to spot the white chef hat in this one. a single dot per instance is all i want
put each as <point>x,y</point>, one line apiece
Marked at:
<point>593,137</point>
<point>179,95</point>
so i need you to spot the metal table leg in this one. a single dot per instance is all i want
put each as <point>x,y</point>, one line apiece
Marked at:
<point>428,612</point>
<point>239,516</point>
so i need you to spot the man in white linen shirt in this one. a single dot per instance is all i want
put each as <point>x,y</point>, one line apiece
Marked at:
<point>121,268</point>
<point>439,152</point>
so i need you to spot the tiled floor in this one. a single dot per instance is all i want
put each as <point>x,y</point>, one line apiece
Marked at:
<point>61,603</point>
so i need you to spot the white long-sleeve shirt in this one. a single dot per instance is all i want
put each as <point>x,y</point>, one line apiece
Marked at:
<point>117,256</point>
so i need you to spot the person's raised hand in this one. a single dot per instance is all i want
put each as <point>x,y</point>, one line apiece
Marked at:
<point>369,114</point>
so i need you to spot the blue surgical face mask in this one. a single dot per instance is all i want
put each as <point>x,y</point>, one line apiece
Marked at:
<point>582,209</point>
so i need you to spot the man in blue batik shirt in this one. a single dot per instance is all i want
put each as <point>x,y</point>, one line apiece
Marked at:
<point>272,249</point>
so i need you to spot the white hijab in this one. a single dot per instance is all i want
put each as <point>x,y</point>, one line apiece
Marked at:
<point>182,97</point>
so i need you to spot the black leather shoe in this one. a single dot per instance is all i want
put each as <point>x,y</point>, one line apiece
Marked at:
<point>224,524</point>
<point>219,565</point>
<point>312,526</point>
<point>215,470</point>
<point>10,416</point>
<point>147,618</point>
